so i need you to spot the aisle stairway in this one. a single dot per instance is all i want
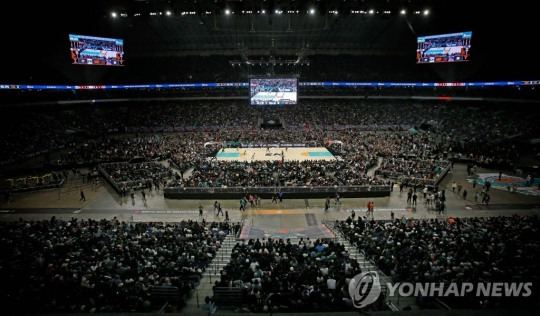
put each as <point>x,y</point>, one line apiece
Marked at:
<point>394,303</point>
<point>371,171</point>
<point>210,276</point>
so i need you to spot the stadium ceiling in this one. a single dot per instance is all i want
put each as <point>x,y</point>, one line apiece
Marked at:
<point>269,6</point>
<point>266,27</point>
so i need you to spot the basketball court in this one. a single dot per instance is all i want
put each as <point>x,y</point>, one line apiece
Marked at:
<point>509,183</point>
<point>274,153</point>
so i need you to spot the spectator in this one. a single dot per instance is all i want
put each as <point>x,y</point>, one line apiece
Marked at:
<point>208,306</point>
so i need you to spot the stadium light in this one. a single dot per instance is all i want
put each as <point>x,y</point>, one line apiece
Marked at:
<point>403,12</point>
<point>113,14</point>
<point>426,12</point>
<point>227,11</point>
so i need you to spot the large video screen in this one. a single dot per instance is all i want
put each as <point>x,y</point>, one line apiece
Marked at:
<point>268,91</point>
<point>443,48</point>
<point>91,50</point>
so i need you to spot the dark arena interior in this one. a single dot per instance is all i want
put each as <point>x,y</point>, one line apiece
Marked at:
<point>197,157</point>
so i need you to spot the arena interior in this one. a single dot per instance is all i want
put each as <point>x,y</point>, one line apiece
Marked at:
<point>270,157</point>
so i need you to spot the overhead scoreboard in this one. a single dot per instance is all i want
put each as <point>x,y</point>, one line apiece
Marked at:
<point>272,91</point>
<point>443,48</point>
<point>91,50</point>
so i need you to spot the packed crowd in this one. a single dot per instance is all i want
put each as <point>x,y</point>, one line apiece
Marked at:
<point>359,151</point>
<point>279,276</point>
<point>374,115</point>
<point>412,169</point>
<point>136,175</point>
<point>268,173</point>
<point>100,266</point>
<point>491,249</point>
<point>458,131</point>
<point>31,133</point>
<point>153,147</point>
<point>411,157</point>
